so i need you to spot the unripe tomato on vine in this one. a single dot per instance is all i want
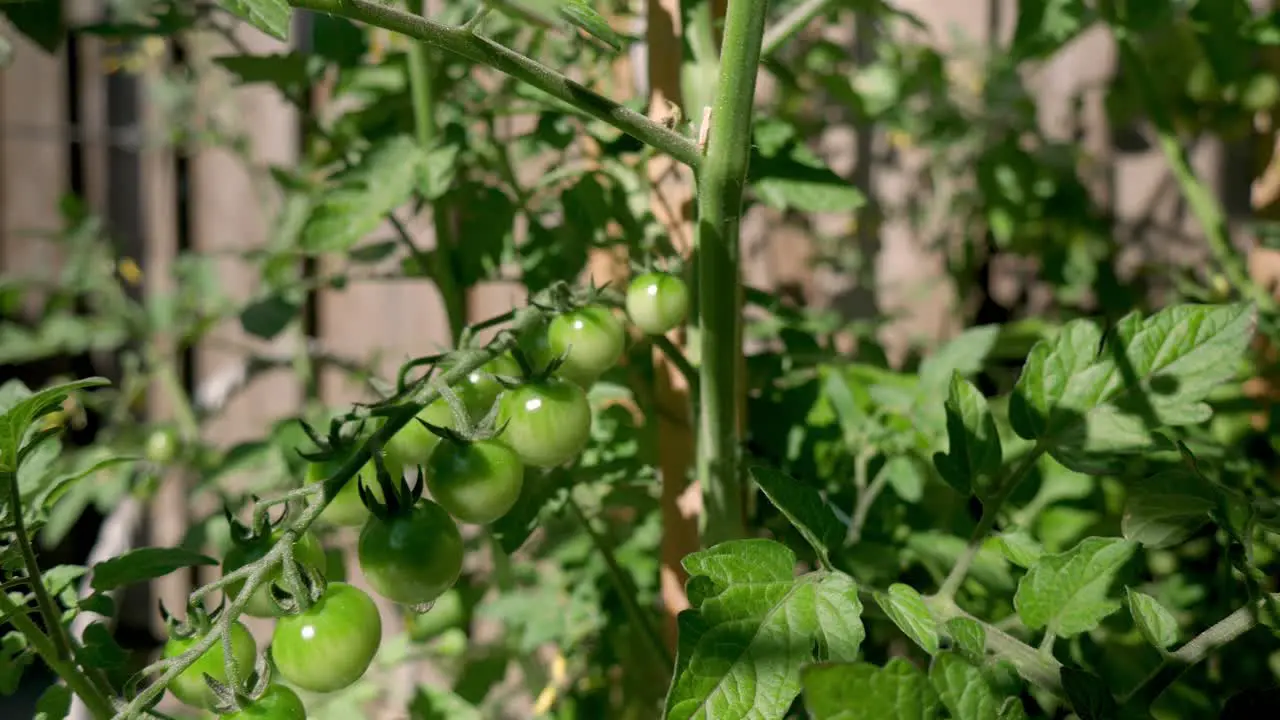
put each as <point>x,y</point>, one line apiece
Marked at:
<point>657,303</point>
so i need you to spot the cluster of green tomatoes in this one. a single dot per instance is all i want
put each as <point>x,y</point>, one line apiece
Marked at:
<point>411,552</point>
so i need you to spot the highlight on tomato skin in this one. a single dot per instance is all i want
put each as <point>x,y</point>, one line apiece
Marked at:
<point>546,422</point>
<point>657,303</point>
<point>330,645</point>
<point>589,341</point>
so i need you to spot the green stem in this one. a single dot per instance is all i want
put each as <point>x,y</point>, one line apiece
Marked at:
<point>59,649</point>
<point>486,52</point>
<point>990,511</point>
<point>1036,667</point>
<point>625,589</point>
<point>77,681</point>
<point>255,573</point>
<point>1197,649</point>
<point>1200,198</point>
<point>792,23</point>
<point>720,187</point>
<point>426,131</point>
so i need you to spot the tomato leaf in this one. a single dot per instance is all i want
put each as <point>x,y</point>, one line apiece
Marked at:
<point>1154,621</point>
<point>970,692</point>
<point>973,452</point>
<point>41,21</point>
<point>1066,593</point>
<point>54,703</point>
<point>270,16</point>
<point>1085,400</point>
<point>268,317</point>
<point>1019,548</point>
<point>906,608</point>
<point>1167,508</point>
<point>144,564</point>
<point>1088,694</point>
<point>753,626</point>
<point>964,354</point>
<point>862,691</point>
<point>15,656</point>
<point>15,421</point>
<point>804,508</point>
<point>581,15</point>
<point>968,637</point>
<point>362,196</point>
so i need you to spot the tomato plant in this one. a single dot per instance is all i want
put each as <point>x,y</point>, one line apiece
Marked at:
<point>954,431</point>
<point>414,557</point>
<point>331,644</point>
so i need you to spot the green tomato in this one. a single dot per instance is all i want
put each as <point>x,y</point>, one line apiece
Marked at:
<point>189,686</point>
<point>277,703</point>
<point>412,444</point>
<point>412,559</point>
<point>330,645</point>
<point>477,482</point>
<point>347,509</point>
<point>162,446</point>
<point>306,550</point>
<point>657,303</point>
<point>547,422</point>
<point>479,389</point>
<point>591,339</point>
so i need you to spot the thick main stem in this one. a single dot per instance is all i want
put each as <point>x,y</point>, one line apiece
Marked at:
<point>463,42</point>
<point>720,186</point>
<point>426,130</point>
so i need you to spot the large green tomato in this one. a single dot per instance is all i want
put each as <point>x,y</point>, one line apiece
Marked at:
<point>657,302</point>
<point>189,686</point>
<point>332,644</point>
<point>306,550</point>
<point>412,559</point>
<point>547,422</point>
<point>477,482</point>
<point>347,510</point>
<point>591,339</point>
<point>277,703</point>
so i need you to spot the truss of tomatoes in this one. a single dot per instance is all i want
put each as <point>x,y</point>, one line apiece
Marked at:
<point>410,548</point>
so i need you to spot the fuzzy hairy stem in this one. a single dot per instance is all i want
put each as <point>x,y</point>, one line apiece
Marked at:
<point>75,678</point>
<point>1195,650</point>
<point>56,648</point>
<point>464,42</point>
<point>990,511</point>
